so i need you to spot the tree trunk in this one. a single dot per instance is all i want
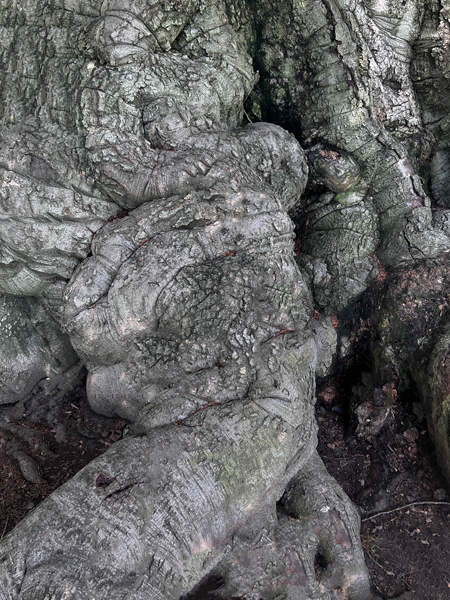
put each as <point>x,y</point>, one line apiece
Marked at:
<point>145,231</point>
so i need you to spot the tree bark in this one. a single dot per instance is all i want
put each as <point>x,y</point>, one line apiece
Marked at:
<point>145,230</point>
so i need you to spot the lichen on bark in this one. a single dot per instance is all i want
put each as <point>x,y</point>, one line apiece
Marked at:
<point>144,230</point>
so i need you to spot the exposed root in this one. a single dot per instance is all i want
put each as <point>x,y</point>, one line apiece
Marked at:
<point>310,550</point>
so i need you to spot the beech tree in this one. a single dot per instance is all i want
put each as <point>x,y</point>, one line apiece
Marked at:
<point>155,158</point>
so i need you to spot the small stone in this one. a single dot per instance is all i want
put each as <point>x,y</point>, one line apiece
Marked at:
<point>30,505</point>
<point>439,495</point>
<point>29,468</point>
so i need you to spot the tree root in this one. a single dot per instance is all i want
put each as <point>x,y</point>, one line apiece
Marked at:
<point>309,549</point>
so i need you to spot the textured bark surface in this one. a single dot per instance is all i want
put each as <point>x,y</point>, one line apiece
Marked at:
<point>406,324</point>
<point>338,73</point>
<point>144,231</point>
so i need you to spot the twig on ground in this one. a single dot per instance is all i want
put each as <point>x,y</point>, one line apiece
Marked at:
<point>4,529</point>
<point>376,562</point>
<point>245,113</point>
<point>388,512</point>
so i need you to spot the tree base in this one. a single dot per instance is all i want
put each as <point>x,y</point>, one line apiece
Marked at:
<point>306,548</point>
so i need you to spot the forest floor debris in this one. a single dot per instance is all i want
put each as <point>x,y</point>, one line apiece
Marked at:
<point>407,550</point>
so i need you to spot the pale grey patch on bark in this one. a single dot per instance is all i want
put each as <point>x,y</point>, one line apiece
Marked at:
<point>326,339</point>
<point>285,547</point>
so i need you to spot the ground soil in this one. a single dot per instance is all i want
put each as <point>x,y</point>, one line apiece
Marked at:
<point>392,476</point>
<point>62,435</point>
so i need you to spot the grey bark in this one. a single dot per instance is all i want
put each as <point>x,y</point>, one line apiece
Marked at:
<point>346,74</point>
<point>144,230</point>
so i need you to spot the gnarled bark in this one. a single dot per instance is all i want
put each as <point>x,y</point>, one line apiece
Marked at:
<point>143,221</point>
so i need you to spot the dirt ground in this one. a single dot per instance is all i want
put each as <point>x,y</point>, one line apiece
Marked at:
<point>394,480</point>
<point>60,435</point>
<point>392,476</point>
